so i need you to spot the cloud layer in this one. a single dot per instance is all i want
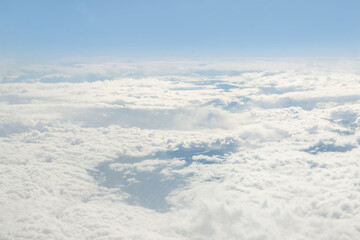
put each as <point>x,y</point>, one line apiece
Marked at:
<point>221,152</point>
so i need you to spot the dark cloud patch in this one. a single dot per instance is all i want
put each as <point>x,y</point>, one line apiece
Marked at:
<point>344,118</point>
<point>184,119</point>
<point>330,147</point>
<point>226,87</point>
<point>9,128</point>
<point>14,99</point>
<point>237,105</point>
<point>306,103</point>
<point>274,90</point>
<point>150,188</point>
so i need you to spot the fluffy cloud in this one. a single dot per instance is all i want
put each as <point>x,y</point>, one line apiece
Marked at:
<point>265,150</point>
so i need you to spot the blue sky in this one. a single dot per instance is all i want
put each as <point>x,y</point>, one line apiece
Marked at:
<point>202,28</point>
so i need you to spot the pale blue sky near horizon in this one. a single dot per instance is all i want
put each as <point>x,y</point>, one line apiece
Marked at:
<point>202,28</point>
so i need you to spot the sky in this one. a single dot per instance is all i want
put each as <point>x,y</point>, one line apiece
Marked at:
<point>45,30</point>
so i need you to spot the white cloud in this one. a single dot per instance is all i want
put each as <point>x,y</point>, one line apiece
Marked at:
<point>271,154</point>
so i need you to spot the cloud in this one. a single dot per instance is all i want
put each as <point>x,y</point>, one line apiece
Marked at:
<point>90,69</point>
<point>186,119</point>
<point>188,150</point>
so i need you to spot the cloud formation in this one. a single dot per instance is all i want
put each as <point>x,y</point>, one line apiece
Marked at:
<point>226,152</point>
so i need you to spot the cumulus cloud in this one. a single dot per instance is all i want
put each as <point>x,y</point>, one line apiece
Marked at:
<point>188,150</point>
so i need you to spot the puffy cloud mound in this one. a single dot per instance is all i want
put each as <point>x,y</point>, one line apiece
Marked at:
<point>185,150</point>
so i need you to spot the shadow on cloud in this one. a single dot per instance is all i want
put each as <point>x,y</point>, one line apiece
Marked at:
<point>328,147</point>
<point>306,103</point>
<point>150,179</point>
<point>184,119</point>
